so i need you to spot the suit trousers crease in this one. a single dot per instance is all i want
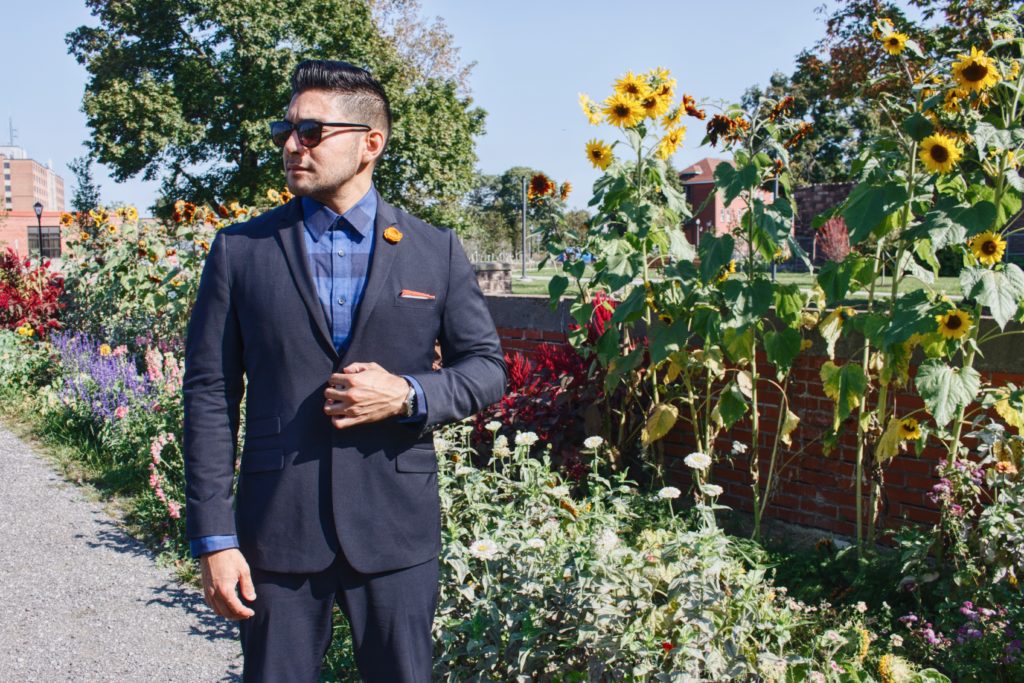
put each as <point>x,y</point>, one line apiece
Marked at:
<point>390,615</point>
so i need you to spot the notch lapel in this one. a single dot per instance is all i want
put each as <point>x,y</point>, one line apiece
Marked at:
<point>293,244</point>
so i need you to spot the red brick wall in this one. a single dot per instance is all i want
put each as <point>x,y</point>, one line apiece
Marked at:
<point>814,489</point>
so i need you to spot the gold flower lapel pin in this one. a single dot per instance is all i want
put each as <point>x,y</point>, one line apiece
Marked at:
<point>393,235</point>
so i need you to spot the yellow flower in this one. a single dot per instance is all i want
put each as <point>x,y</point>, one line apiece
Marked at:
<point>623,110</point>
<point>600,154</point>
<point>105,349</point>
<point>725,271</point>
<point>112,229</point>
<point>540,186</point>
<point>673,117</point>
<point>951,101</point>
<point>894,669</point>
<point>286,196</point>
<point>590,108</point>
<point>130,214</point>
<point>975,71</point>
<point>865,643</point>
<point>670,143</point>
<point>83,236</point>
<point>988,247</point>
<point>881,27</point>
<point>954,324</point>
<point>25,330</point>
<point>631,85</point>
<point>273,195</point>
<point>654,105</point>
<point>564,190</point>
<point>940,153</point>
<point>805,344</point>
<point>909,429</point>
<point>66,219</point>
<point>895,43</point>
<point>1014,70</point>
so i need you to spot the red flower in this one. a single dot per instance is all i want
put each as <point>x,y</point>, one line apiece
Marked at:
<point>667,646</point>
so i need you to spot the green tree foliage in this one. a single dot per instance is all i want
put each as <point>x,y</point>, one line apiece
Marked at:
<point>496,209</point>
<point>184,91</point>
<point>87,192</point>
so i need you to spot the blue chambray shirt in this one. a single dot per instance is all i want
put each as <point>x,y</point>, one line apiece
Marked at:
<point>340,248</point>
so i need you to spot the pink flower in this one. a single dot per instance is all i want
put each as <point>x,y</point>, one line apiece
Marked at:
<point>154,361</point>
<point>121,412</point>
<point>119,350</point>
<point>174,509</point>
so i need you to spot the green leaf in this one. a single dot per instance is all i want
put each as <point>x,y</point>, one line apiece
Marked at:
<point>730,408</point>
<point>911,313</point>
<point>621,365</point>
<point>845,385</point>
<point>945,390</point>
<point>732,181</point>
<point>1000,290</point>
<point>835,279</point>
<point>707,323</point>
<point>773,223</point>
<point>917,126</point>
<point>950,223</point>
<point>608,345</point>
<point>748,300</point>
<point>666,339</point>
<point>737,344</point>
<point>680,248</point>
<point>663,417</point>
<point>631,308</point>
<point>789,303</point>
<point>868,205</point>
<point>781,348</point>
<point>556,287</point>
<point>714,252</point>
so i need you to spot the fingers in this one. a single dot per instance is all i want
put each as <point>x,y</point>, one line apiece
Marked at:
<point>247,589</point>
<point>352,368</point>
<point>223,571</point>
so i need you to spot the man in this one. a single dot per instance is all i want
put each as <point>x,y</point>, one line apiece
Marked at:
<point>330,306</point>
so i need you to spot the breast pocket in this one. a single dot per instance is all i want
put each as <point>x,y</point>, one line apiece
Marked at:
<point>413,302</point>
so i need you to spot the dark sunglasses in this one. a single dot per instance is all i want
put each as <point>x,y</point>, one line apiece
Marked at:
<point>309,131</point>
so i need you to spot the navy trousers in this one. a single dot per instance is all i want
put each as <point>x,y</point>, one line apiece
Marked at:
<point>390,616</point>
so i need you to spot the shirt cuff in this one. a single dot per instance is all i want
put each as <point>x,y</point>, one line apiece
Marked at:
<point>208,544</point>
<point>421,402</point>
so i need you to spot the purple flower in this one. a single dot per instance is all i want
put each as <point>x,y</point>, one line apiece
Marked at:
<point>107,384</point>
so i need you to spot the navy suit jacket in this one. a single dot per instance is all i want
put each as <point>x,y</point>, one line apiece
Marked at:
<point>306,490</point>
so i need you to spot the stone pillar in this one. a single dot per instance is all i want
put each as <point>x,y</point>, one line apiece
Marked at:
<point>494,277</point>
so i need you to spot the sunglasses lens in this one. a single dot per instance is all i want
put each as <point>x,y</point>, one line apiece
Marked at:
<point>279,132</point>
<point>309,133</point>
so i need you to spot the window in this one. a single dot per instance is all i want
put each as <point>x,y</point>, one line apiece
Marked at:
<point>51,241</point>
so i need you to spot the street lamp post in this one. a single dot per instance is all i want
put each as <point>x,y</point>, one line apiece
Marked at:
<point>39,226</point>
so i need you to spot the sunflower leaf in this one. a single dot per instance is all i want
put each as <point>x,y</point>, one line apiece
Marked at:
<point>1000,290</point>
<point>845,385</point>
<point>773,223</point>
<point>663,417</point>
<point>945,390</point>
<point>889,445</point>
<point>714,252</point>
<point>789,303</point>
<point>918,126</point>
<point>732,181</point>
<point>748,300</point>
<point>789,425</point>
<point>781,348</point>
<point>986,135</point>
<point>950,223</point>
<point>730,408</point>
<point>556,287</point>
<point>868,205</point>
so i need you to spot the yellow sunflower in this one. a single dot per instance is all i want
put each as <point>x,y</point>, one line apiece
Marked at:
<point>131,214</point>
<point>975,71</point>
<point>600,154</point>
<point>673,117</point>
<point>895,43</point>
<point>591,109</point>
<point>954,324</point>
<point>725,271</point>
<point>909,429</point>
<point>112,229</point>
<point>654,105</point>
<point>940,153</point>
<point>66,219</point>
<point>105,350</point>
<point>951,101</point>
<point>670,143</point>
<point>564,190</point>
<point>988,247</point>
<point>623,110</point>
<point>273,195</point>
<point>881,28</point>
<point>631,85</point>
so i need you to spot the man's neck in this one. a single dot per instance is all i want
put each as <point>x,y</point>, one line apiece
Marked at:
<point>347,195</point>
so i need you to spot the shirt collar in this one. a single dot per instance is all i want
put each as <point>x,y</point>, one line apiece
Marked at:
<point>319,217</point>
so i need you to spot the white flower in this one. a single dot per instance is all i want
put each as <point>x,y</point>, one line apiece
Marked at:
<point>559,491</point>
<point>738,447</point>
<point>833,636</point>
<point>669,492</point>
<point>607,541</point>
<point>441,444</point>
<point>861,607</point>
<point>713,490</point>
<point>492,426</point>
<point>896,640</point>
<point>501,446</point>
<point>535,543</point>
<point>697,461</point>
<point>462,471</point>
<point>593,442</point>
<point>526,439</point>
<point>816,677</point>
<point>484,549</point>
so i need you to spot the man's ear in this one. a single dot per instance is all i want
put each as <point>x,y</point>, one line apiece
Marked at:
<point>374,146</point>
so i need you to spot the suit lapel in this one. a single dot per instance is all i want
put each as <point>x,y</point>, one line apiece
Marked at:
<point>293,243</point>
<point>384,254</point>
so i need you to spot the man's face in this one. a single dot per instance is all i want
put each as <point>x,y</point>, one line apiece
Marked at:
<point>320,171</point>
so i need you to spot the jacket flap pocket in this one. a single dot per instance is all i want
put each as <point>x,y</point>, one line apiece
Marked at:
<point>412,302</point>
<point>262,461</point>
<point>264,426</point>
<point>416,460</point>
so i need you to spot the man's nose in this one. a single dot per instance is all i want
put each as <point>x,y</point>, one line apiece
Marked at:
<point>292,144</point>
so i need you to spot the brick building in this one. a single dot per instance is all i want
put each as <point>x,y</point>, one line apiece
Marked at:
<point>716,217</point>
<point>26,182</point>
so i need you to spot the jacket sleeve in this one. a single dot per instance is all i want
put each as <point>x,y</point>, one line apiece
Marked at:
<point>212,389</point>
<point>474,373</point>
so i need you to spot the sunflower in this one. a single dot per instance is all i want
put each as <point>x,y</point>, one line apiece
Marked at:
<point>286,196</point>
<point>720,125</point>
<point>83,236</point>
<point>952,99</point>
<point>66,219</point>
<point>540,186</point>
<point>940,153</point>
<point>631,85</point>
<point>273,195</point>
<point>591,109</point>
<point>988,247</point>
<point>670,143</point>
<point>725,271</point>
<point>895,43</point>
<point>112,229</point>
<point>690,105</point>
<point>654,105</point>
<point>623,110</point>
<point>782,108</point>
<point>564,190</point>
<point>954,324</point>
<point>880,28</point>
<point>909,429</point>
<point>976,71</point>
<point>673,117</point>
<point>600,154</point>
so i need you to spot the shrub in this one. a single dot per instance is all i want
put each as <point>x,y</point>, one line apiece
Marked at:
<point>29,295</point>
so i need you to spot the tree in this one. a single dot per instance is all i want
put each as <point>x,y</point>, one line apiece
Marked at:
<point>496,204</point>
<point>87,192</point>
<point>184,91</point>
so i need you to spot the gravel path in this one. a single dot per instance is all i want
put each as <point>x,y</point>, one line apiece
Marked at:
<point>82,601</point>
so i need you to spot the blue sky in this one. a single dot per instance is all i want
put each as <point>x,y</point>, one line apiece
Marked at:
<point>532,58</point>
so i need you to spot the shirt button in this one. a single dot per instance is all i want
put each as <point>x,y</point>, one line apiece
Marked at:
<point>341,252</point>
<point>341,301</point>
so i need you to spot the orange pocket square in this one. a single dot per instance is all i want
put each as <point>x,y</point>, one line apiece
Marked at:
<point>413,294</point>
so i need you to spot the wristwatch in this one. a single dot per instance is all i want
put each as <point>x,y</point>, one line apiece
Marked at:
<point>409,408</point>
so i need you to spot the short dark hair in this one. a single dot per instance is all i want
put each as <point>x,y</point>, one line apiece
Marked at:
<point>364,95</point>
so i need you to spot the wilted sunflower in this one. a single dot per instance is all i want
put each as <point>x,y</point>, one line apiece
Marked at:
<point>781,108</point>
<point>631,85</point>
<point>895,43</point>
<point>988,247</point>
<point>623,110</point>
<point>720,126</point>
<point>954,324</point>
<point>600,154</point>
<point>670,143</point>
<point>940,153</point>
<point>564,190</point>
<point>975,71</point>
<point>909,429</point>
<point>803,131</point>
<point>540,186</point>
<point>591,109</point>
<point>690,105</point>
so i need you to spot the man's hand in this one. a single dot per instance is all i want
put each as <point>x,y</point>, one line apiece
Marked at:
<point>363,393</point>
<point>222,571</point>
